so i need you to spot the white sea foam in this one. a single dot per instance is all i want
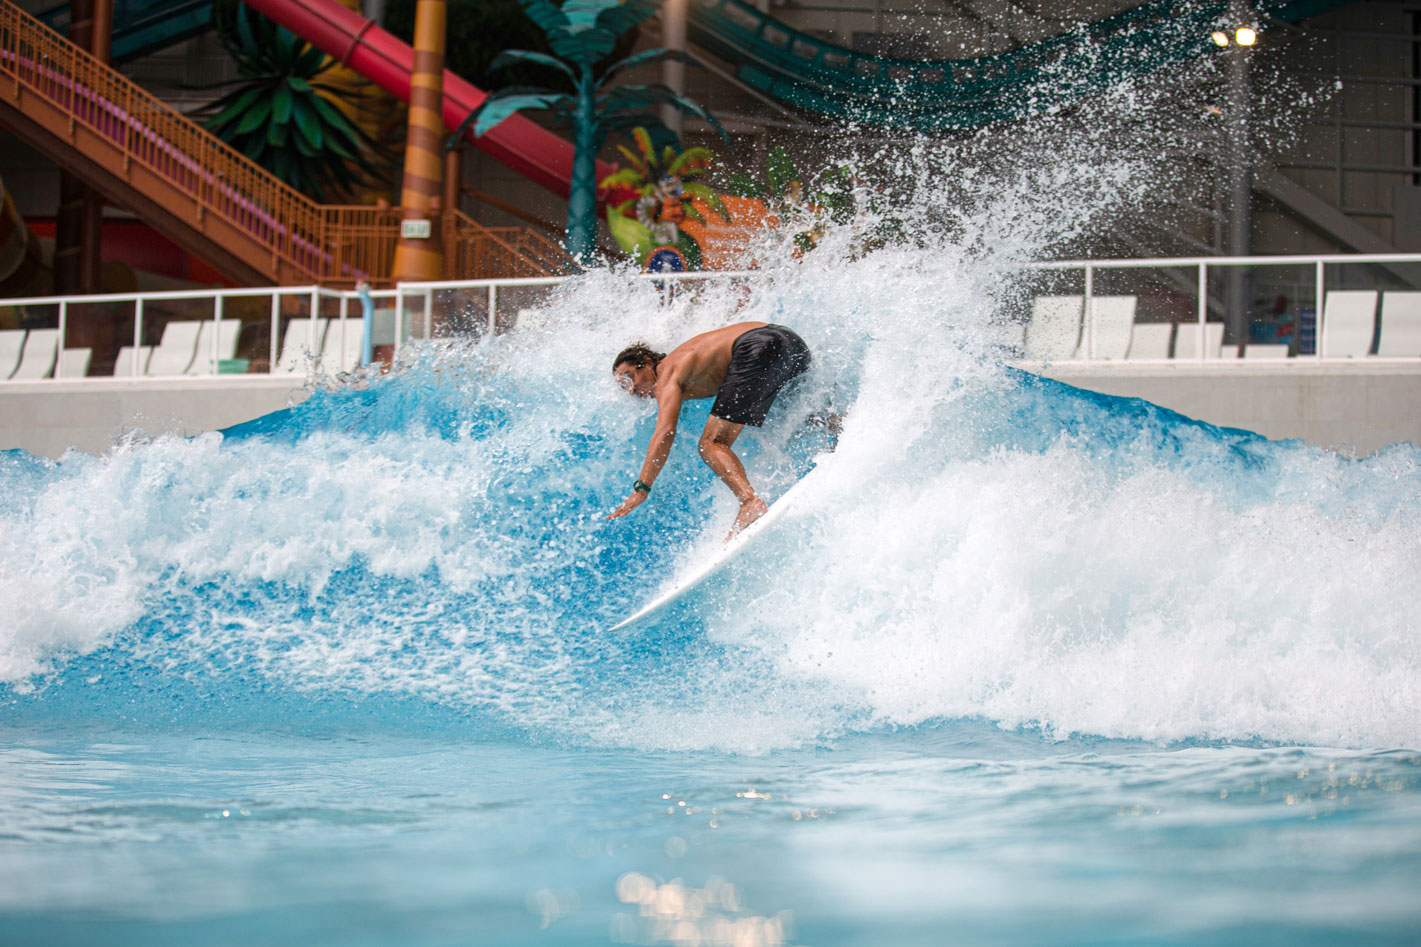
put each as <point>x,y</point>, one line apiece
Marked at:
<point>985,544</point>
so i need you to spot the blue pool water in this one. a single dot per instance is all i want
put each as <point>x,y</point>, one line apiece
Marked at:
<point>1032,665</point>
<point>1035,665</point>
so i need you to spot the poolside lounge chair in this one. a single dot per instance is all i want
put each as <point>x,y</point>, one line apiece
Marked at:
<point>1150,340</point>
<point>305,339</point>
<point>123,366</point>
<point>1112,318</point>
<point>1401,325</point>
<point>176,350</point>
<point>1055,327</point>
<point>1348,320</point>
<point>343,346</point>
<point>226,332</point>
<point>1265,350</point>
<point>12,343</point>
<point>41,349</point>
<point>74,363</point>
<point>1186,340</point>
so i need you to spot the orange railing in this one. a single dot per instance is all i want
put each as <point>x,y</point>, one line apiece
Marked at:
<point>305,241</point>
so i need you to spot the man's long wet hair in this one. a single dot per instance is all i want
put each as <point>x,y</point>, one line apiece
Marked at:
<point>639,355</point>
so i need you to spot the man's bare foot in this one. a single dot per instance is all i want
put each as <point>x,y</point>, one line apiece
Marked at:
<point>751,510</point>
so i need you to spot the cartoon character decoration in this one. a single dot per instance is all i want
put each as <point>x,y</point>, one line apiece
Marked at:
<point>680,223</point>
<point>652,229</point>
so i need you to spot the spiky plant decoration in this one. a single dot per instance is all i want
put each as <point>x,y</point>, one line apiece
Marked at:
<point>668,182</point>
<point>281,115</point>
<point>784,189</point>
<point>582,33</point>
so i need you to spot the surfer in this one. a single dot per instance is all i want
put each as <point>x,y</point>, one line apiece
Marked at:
<point>743,366</point>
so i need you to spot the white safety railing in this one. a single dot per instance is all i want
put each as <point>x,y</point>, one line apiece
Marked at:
<point>1405,270</point>
<point>415,310</point>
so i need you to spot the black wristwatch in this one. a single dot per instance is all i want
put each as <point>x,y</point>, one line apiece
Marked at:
<point>643,487</point>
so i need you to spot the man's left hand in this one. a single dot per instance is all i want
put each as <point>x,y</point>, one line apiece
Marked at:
<point>637,498</point>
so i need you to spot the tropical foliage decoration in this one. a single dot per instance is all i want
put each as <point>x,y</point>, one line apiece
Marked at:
<point>282,115</point>
<point>669,185</point>
<point>833,196</point>
<point>582,33</point>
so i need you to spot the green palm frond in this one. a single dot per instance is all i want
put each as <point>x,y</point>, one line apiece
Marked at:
<point>780,171</point>
<point>692,161</point>
<point>619,16</point>
<point>547,15</point>
<point>633,159</point>
<point>629,178</point>
<point>642,137</point>
<point>706,193</point>
<point>640,99</point>
<point>511,56</point>
<point>505,102</point>
<point>647,58</point>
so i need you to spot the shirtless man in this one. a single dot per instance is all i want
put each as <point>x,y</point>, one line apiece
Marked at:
<point>744,366</point>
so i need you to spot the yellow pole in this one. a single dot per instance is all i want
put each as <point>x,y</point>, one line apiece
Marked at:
<point>418,256</point>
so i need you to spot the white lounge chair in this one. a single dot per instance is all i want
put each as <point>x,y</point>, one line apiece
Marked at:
<point>12,343</point>
<point>1055,327</point>
<point>1348,319</point>
<point>1186,340</point>
<point>1107,329</point>
<point>74,363</point>
<point>382,327</point>
<point>41,350</point>
<point>226,332</point>
<point>305,339</point>
<point>176,350</point>
<point>128,357</point>
<point>1401,325</point>
<point>1265,350</point>
<point>344,346</point>
<point>1151,340</point>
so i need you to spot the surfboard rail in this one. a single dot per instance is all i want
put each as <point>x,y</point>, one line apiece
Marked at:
<point>695,575</point>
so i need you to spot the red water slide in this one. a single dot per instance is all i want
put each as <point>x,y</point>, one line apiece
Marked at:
<point>527,148</point>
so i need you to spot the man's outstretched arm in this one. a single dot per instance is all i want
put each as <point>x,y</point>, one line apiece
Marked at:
<point>668,411</point>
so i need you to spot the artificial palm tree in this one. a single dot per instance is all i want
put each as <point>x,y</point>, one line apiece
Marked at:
<point>581,34</point>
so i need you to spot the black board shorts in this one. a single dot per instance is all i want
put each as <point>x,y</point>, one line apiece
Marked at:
<point>762,361</point>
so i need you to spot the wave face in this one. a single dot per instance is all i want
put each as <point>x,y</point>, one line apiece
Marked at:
<point>428,549</point>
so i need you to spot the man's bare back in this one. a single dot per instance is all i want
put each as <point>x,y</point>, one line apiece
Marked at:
<point>744,383</point>
<point>697,366</point>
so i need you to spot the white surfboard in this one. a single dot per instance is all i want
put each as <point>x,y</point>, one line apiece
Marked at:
<point>701,571</point>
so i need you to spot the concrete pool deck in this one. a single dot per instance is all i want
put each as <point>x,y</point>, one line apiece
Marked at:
<point>49,417</point>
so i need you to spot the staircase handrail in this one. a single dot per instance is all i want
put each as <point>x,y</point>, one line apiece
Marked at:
<point>315,241</point>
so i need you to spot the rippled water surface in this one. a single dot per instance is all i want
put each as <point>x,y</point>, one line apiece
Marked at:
<point>950,834</point>
<point>1028,665</point>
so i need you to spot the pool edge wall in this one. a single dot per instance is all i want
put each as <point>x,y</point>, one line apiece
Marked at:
<point>49,417</point>
<point>1354,408</point>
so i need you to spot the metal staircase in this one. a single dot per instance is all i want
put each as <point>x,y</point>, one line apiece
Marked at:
<point>210,199</point>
